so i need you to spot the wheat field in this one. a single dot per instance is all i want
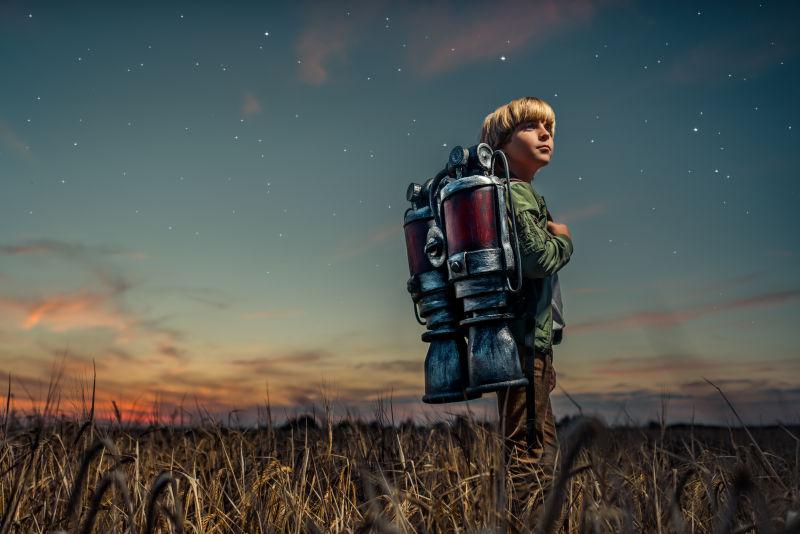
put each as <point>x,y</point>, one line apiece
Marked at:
<point>321,474</point>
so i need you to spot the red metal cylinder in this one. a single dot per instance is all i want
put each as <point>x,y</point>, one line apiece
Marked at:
<point>416,235</point>
<point>471,220</point>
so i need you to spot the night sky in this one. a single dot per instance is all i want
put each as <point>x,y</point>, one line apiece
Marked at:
<point>206,199</point>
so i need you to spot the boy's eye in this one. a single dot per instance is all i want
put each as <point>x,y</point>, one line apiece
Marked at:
<point>532,125</point>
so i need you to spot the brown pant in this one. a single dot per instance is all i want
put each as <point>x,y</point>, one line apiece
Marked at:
<point>512,410</point>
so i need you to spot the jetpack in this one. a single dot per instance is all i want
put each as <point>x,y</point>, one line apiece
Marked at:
<point>464,262</point>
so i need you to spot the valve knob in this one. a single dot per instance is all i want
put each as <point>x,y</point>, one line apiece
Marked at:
<point>434,246</point>
<point>413,192</point>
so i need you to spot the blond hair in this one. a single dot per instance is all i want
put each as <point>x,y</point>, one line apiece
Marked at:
<point>501,123</point>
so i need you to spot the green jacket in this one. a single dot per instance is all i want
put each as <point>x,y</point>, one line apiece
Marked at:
<point>543,254</point>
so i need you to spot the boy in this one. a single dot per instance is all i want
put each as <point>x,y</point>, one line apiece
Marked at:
<point>523,129</point>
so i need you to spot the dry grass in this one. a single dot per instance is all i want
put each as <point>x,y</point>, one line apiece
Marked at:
<point>349,476</point>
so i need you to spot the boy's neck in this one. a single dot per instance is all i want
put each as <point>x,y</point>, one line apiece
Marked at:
<point>529,181</point>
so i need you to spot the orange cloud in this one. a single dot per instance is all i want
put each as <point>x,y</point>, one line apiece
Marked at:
<point>331,31</point>
<point>99,307</point>
<point>656,318</point>
<point>650,368</point>
<point>262,364</point>
<point>62,312</point>
<point>480,35</point>
<point>357,245</point>
<point>580,214</point>
<point>275,314</point>
<point>413,367</point>
<point>75,251</point>
<point>168,349</point>
<point>251,106</point>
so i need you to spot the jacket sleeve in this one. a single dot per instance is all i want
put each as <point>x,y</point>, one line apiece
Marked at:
<point>542,252</point>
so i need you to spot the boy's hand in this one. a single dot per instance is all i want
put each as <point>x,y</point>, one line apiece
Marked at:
<point>558,229</point>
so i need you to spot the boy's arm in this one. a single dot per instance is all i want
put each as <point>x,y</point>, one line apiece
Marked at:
<point>542,252</point>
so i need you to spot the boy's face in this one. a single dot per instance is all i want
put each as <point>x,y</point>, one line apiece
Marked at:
<point>529,148</point>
